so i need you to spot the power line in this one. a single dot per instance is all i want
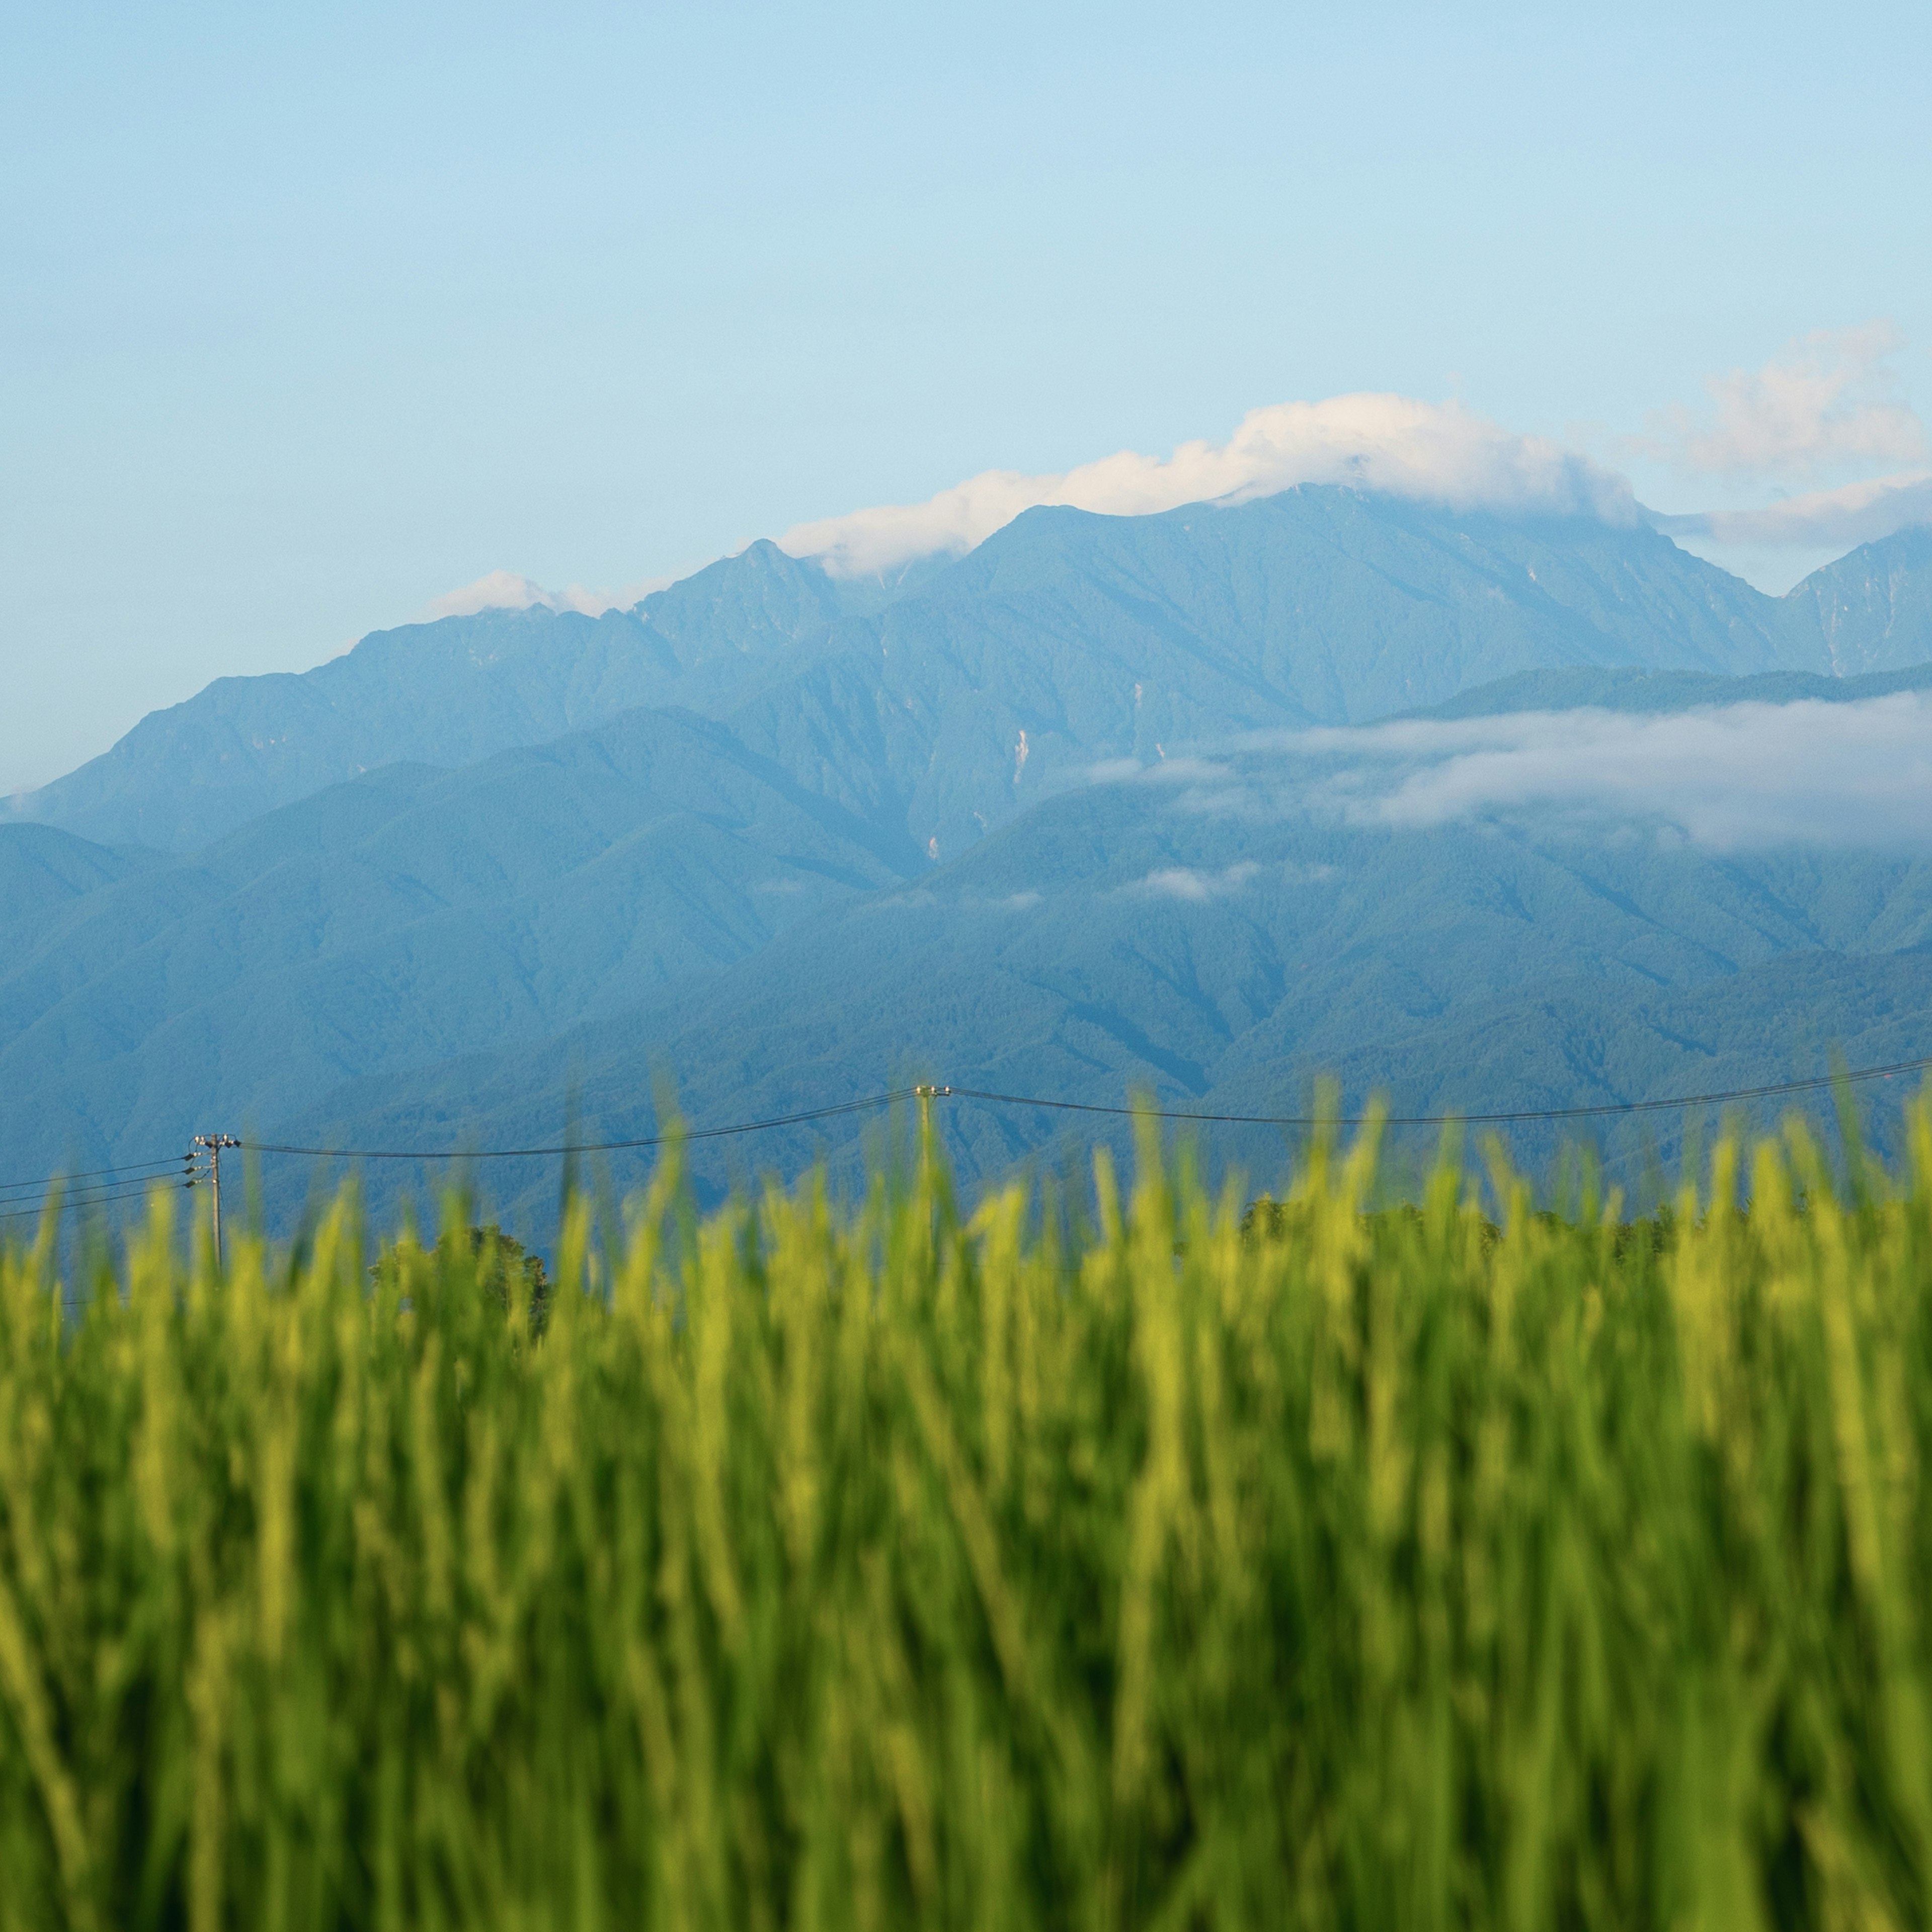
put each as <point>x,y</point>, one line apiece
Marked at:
<point>1518,1116</point>
<point>107,1191</point>
<point>870,1101</point>
<point>1522,1115</point>
<point>135,1192</point>
<point>7,1187</point>
<point>121,1190</point>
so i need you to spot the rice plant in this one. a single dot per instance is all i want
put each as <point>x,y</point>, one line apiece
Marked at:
<point>884,1565</point>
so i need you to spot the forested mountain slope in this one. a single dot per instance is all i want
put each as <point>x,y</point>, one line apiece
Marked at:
<point>1872,609</point>
<point>409,914</point>
<point>443,693</point>
<point>1136,936</point>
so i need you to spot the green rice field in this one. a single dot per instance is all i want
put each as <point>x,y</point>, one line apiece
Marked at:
<point>1085,1563</point>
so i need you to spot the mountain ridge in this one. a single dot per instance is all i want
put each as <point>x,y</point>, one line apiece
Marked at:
<point>1317,604</point>
<point>448,692</point>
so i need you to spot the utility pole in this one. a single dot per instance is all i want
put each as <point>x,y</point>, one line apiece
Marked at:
<point>211,1145</point>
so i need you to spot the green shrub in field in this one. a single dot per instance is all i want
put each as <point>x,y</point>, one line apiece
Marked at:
<point>821,1568</point>
<point>505,1271</point>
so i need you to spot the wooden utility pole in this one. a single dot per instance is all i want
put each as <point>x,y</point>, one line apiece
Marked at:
<point>212,1144</point>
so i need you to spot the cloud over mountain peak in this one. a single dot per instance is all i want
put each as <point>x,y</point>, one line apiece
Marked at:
<point>1829,402</point>
<point>1435,452</point>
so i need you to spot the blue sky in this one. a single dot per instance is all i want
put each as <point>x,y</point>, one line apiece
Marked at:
<point>310,317</point>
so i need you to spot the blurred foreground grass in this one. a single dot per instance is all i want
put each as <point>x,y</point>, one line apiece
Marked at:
<point>821,1569</point>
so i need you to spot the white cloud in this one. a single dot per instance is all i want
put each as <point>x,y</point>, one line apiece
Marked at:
<point>1164,770</point>
<point>1827,399</point>
<point>1205,785</point>
<point>1184,771</point>
<point>1180,882</point>
<point>1020,901</point>
<point>1438,452</point>
<point>504,590</point>
<point>1740,777</point>
<point>1856,513</point>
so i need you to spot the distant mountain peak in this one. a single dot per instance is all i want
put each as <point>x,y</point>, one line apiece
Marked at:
<point>1874,606</point>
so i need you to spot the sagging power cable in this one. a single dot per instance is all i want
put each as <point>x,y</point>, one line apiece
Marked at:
<point>872,1101</point>
<point>138,1191</point>
<point>1520,1115</point>
<point>109,1191</point>
<point>11,1187</point>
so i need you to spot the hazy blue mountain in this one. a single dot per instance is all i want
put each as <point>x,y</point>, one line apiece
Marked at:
<point>43,873</point>
<point>42,869</point>
<point>394,920</point>
<point>1122,937</point>
<point>433,949</point>
<point>1069,637</point>
<point>444,694</point>
<point>1579,1043</point>
<point>1096,637</point>
<point>1872,609</point>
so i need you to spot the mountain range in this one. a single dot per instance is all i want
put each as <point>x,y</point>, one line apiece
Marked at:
<point>1096,635</point>
<point>792,838</point>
